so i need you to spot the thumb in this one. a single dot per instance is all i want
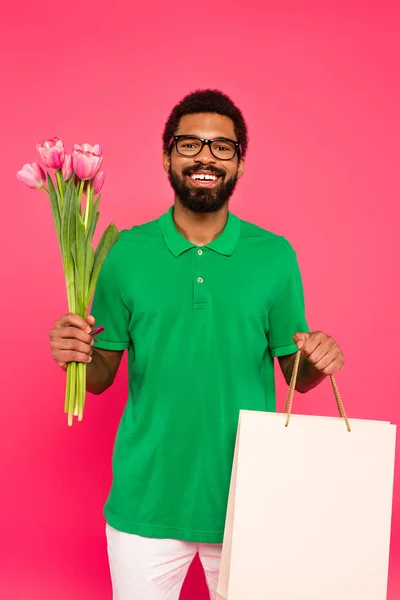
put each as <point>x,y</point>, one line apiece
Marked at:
<point>90,320</point>
<point>300,338</point>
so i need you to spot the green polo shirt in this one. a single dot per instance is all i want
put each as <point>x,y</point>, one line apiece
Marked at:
<point>201,325</point>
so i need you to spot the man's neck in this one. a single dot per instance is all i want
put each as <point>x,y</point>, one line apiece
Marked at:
<point>199,229</point>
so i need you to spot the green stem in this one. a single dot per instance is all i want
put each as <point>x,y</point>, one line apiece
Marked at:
<point>76,372</point>
<point>70,394</point>
<point>45,189</point>
<point>77,388</point>
<point>60,185</point>
<point>67,389</point>
<point>89,197</point>
<point>80,191</point>
<point>77,400</point>
<point>81,390</point>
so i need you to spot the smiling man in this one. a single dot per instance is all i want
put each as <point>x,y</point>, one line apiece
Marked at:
<point>204,186</point>
<point>204,302</point>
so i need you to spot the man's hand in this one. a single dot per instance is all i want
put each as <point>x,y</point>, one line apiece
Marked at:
<point>70,339</point>
<point>320,350</point>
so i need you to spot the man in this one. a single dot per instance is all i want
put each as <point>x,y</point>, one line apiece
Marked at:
<point>203,301</point>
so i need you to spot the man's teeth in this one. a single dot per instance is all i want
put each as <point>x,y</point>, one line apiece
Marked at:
<point>208,177</point>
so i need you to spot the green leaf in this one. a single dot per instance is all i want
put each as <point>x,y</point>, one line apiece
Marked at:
<point>60,182</point>
<point>68,235</point>
<point>77,278</point>
<point>68,215</point>
<point>88,270</point>
<point>97,218</point>
<point>97,203</point>
<point>80,258</point>
<point>94,217</point>
<point>107,241</point>
<point>55,207</point>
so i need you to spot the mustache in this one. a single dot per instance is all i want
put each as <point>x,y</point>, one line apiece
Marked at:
<point>211,170</point>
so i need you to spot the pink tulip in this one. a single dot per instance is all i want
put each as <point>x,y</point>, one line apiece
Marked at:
<point>86,160</point>
<point>98,181</point>
<point>52,153</point>
<point>32,175</point>
<point>67,167</point>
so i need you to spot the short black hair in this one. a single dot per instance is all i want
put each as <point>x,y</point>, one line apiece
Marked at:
<point>206,101</point>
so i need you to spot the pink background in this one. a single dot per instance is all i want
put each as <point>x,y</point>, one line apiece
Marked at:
<point>319,87</point>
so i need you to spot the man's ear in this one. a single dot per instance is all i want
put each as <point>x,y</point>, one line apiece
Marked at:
<point>166,161</point>
<point>241,166</point>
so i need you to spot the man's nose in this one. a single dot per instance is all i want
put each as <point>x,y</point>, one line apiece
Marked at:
<point>205,156</point>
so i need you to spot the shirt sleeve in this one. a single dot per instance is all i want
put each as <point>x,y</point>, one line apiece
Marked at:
<point>109,309</point>
<point>287,314</point>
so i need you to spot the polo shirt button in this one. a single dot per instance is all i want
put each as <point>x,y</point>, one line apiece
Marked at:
<point>199,252</point>
<point>200,279</point>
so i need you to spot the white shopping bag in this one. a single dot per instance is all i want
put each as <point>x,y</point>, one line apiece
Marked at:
<point>309,511</point>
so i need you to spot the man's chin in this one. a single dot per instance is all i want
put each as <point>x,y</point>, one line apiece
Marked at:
<point>202,206</point>
<point>202,201</point>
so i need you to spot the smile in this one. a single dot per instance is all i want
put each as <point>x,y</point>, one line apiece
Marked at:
<point>204,179</point>
<point>207,177</point>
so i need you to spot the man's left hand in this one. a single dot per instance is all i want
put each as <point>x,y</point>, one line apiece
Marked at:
<point>321,350</point>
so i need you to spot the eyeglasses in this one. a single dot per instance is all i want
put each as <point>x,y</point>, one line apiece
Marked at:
<point>191,145</point>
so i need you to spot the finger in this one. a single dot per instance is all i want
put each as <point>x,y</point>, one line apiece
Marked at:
<point>300,338</point>
<point>326,347</point>
<point>72,320</point>
<point>318,355</point>
<point>71,344</point>
<point>66,356</point>
<point>310,345</point>
<point>91,320</point>
<point>326,361</point>
<point>72,333</point>
<point>334,366</point>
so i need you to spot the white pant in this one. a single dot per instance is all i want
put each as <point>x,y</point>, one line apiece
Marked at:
<point>155,569</point>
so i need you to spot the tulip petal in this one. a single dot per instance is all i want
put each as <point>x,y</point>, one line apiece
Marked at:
<point>86,164</point>
<point>97,149</point>
<point>32,175</point>
<point>98,181</point>
<point>79,165</point>
<point>52,152</point>
<point>67,167</point>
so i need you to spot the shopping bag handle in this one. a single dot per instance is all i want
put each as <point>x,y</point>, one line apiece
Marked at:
<point>292,387</point>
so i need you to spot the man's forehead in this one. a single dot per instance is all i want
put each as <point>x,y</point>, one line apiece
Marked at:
<point>206,125</point>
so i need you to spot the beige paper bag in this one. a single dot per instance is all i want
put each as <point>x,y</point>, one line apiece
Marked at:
<point>309,511</point>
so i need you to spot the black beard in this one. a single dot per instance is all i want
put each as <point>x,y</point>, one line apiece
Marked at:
<point>201,200</point>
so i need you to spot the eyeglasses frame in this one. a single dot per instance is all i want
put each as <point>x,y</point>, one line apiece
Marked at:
<point>174,139</point>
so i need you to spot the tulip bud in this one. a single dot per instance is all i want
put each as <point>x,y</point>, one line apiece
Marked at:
<point>32,175</point>
<point>86,160</point>
<point>98,181</point>
<point>67,167</point>
<point>52,153</point>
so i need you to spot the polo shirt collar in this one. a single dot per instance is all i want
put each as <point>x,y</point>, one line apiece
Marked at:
<point>224,244</point>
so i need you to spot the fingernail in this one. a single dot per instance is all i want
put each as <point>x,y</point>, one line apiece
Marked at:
<point>88,329</point>
<point>90,359</point>
<point>299,345</point>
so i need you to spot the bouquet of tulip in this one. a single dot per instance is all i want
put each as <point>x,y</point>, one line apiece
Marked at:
<point>75,175</point>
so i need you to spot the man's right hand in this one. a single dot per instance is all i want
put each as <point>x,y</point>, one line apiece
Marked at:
<point>70,339</point>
